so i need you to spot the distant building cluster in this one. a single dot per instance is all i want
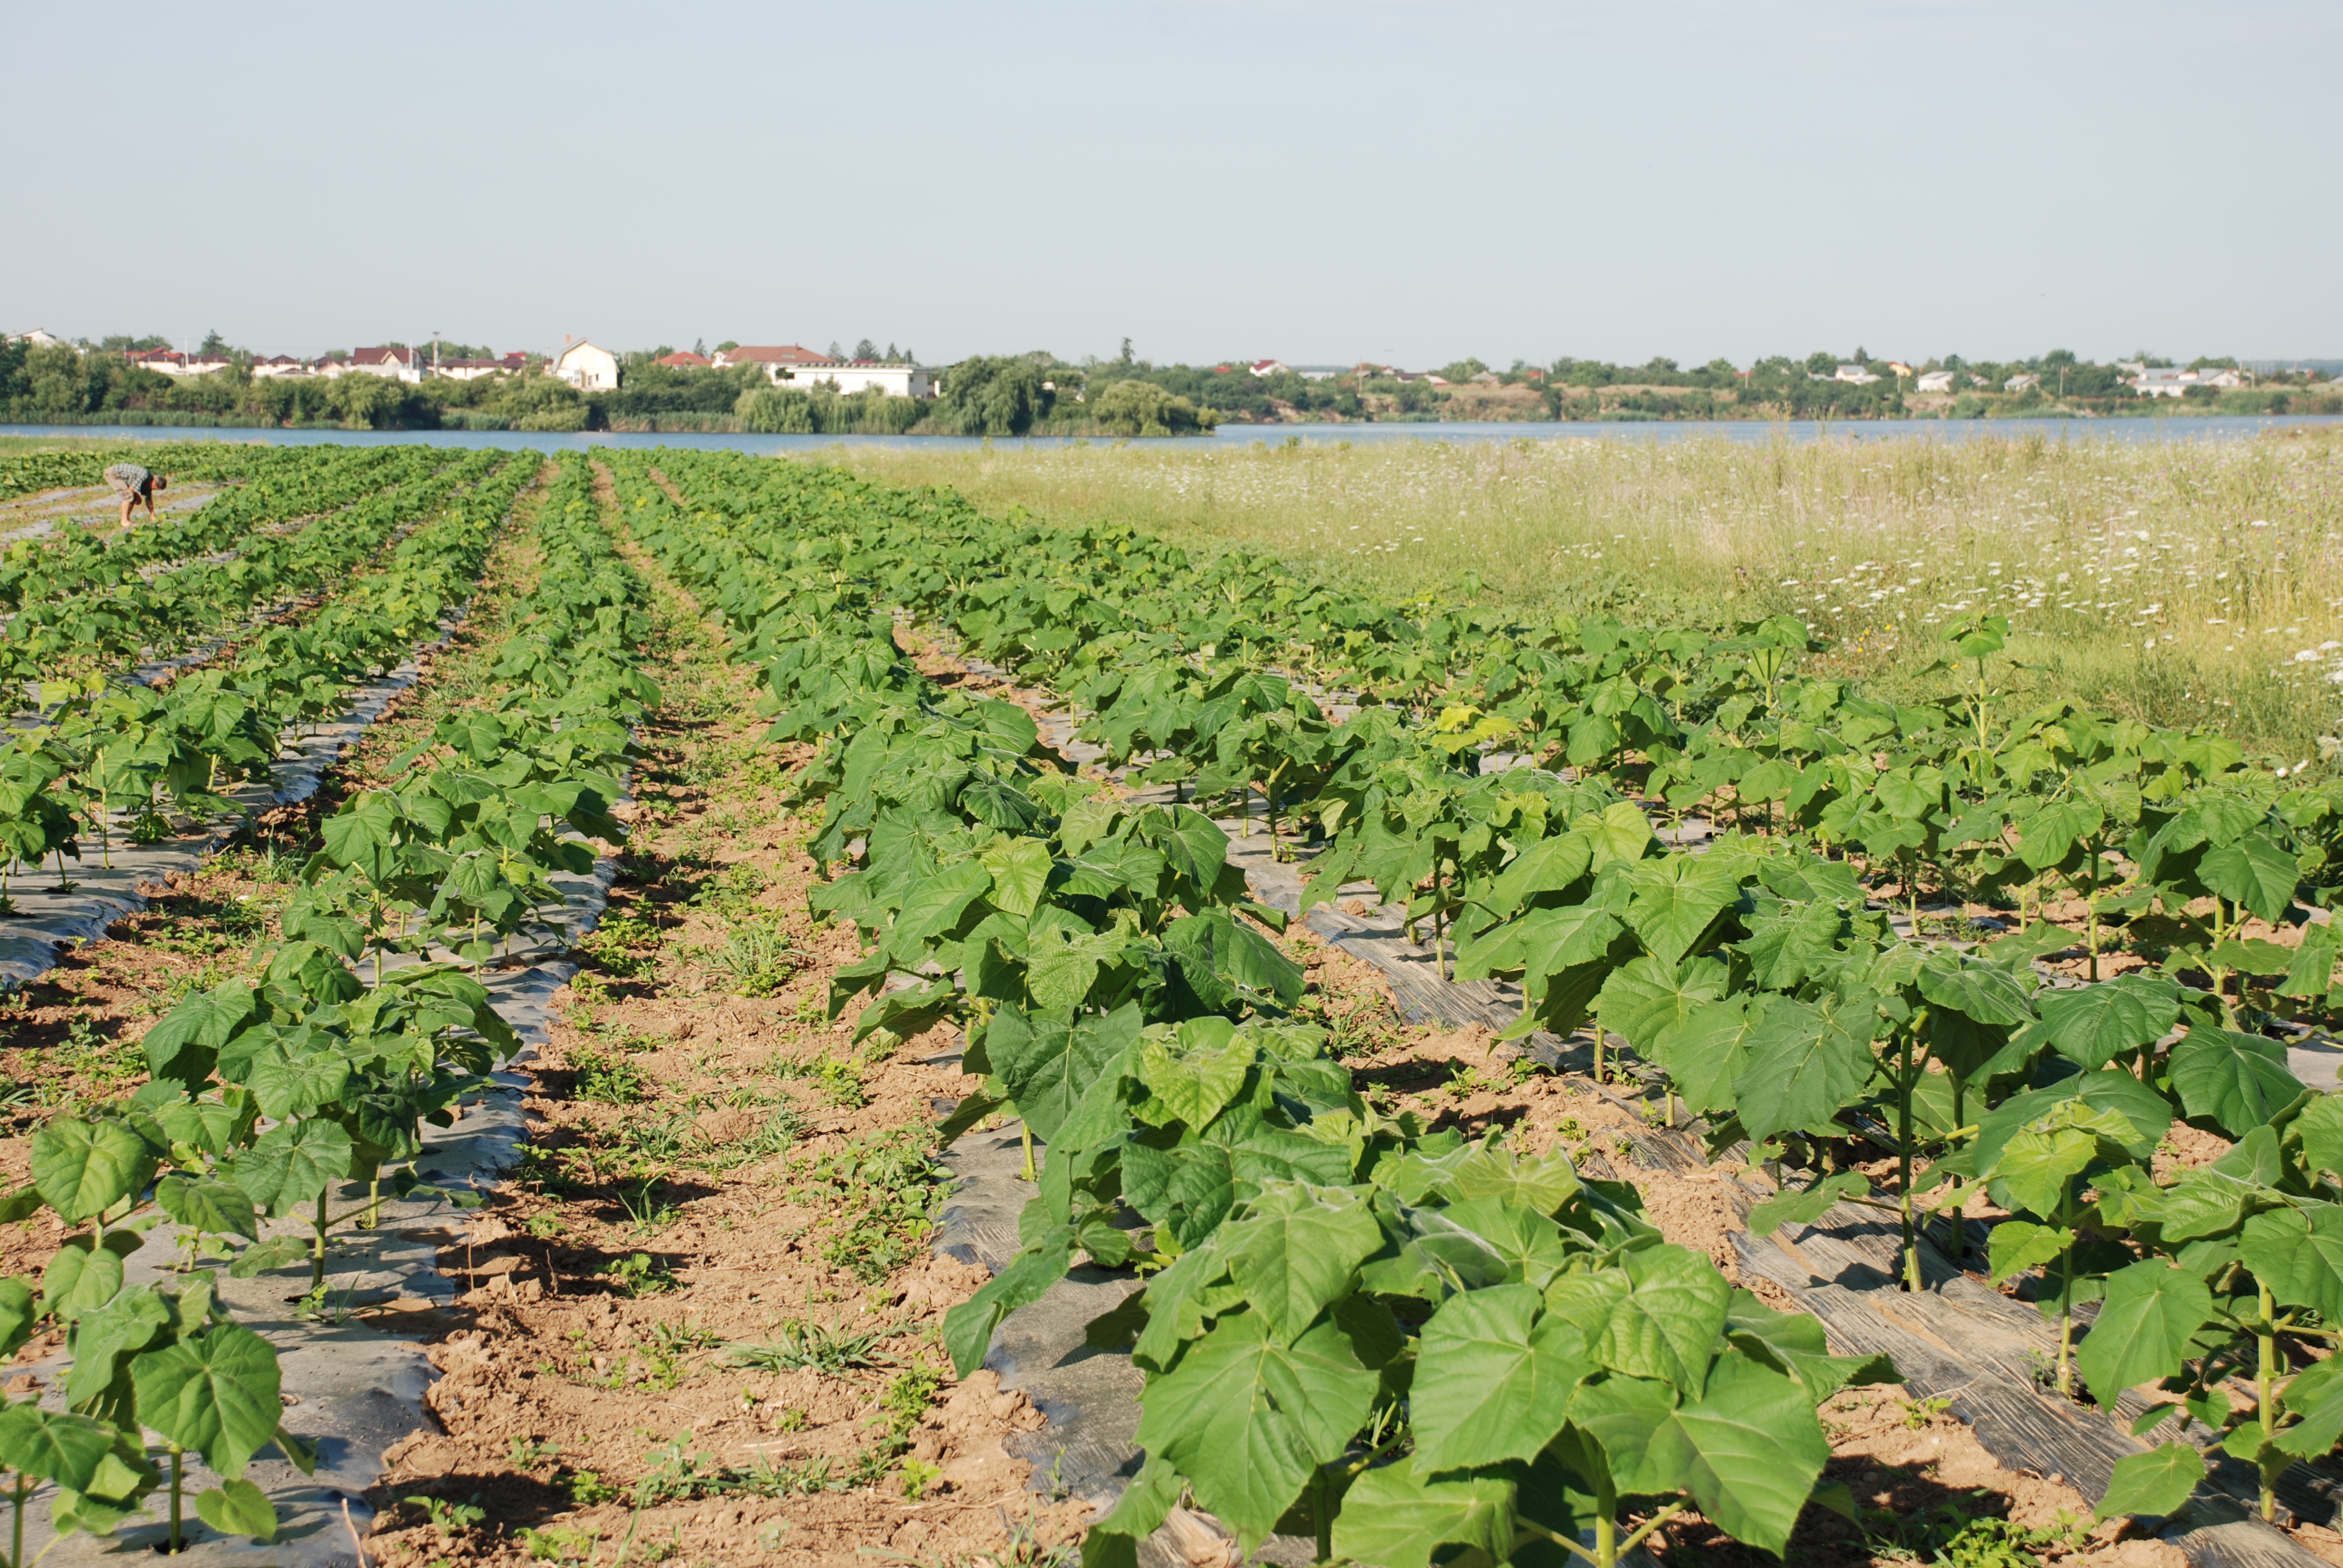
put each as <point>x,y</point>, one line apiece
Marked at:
<point>397,363</point>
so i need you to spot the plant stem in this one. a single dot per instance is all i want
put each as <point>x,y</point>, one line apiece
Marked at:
<point>2066,1325</point>
<point>16,1552</point>
<point>176,1463</point>
<point>1322,1513</point>
<point>1025,1132</point>
<point>2264,1392</point>
<point>317,1244</point>
<point>1903,1154</point>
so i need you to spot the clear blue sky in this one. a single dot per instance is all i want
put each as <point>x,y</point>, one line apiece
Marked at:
<point>1403,180</point>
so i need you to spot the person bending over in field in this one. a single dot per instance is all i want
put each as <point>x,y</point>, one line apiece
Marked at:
<point>134,484</point>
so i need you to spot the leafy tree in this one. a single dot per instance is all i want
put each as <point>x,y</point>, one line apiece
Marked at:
<point>991,397</point>
<point>1136,407</point>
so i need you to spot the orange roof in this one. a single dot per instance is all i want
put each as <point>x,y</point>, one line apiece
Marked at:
<point>684,356</point>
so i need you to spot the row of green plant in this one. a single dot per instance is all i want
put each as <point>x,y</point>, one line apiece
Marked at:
<point>272,1094</point>
<point>1373,1335</point>
<point>32,472</point>
<point>109,753</point>
<point>83,604</point>
<point>1756,974</point>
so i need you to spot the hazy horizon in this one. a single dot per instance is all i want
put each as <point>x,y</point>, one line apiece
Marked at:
<point>1396,181</point>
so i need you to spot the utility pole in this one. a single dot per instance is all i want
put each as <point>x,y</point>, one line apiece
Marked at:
<point>435,351</point>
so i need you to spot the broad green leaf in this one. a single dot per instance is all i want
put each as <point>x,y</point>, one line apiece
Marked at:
<point>1294,1250</point>
<point>2053,831</point>
<point>1394,1518</point>
<point>1047,1064</point>
<point>293,1162</point>
<point>1491,1170</point>
<point>968,1327</point>
<point>17,1311</point>
<point>1788,941</point>
<point>1530,1246</point>
<point>936,904</point>
<point>1188,1189</point>
<point>1677,899</point>
<point>2321,1126</point>
<point>1646,998</point>
<point>2154,1483</point>
<point>215,1392</point>
<point>1907,795</point>
<point>296,1079</point>
<point>54,1445</point>
<point>1153,1493</point>
<point>2149,1315</point>
<point>1800,1065</point>
<point>2038,1167</point>
<point>2017,1245</point>
<point>1795,1340</point>
<point>1198,1069</point>
<point>1555,940</point>
<point>1060,967</point>
<point>2094,1024</point>
<point>208,1204</point>
<point>1749,1450</point>
<point>1666,1326</point>
<point>183,1044</point>
<point>84,1274</point>
<point>1546,866</point>
<point>1704,1055</point>
<point>1248,1419</point>
<point>2252,872</point>
<point>1621,833</point>
<point>1977,990</point>
<point>2298,1254</point>
<point>1620,1415</point>
<point>1492,1378</point>
<point>123,1327</point>
<point>2238,1080</point>
<point>84,1168</point>
<point>237,1508</point>
<point>1021,870</point>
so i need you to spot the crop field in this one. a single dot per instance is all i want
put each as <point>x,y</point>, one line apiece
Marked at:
<point>1814,822</point>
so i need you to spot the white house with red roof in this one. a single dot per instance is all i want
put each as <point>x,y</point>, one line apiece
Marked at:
<point>1267,367</point>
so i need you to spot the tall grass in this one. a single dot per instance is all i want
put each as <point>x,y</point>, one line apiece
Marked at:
<point>2182,582</point>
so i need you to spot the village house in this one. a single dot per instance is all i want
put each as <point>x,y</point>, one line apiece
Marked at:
<point>398,363</point>
<point>2021,382</point>
<point>473,369</point>
<point>896,378</point>
<point>684,359</point>
<point>801,367</point>
<point>39,338</point>
<point>1934,381</point>
<point>2163,381</point>
<point>779,363</point>
<point>1856,375</point>
<point>1267,367</point>
<point>587,366</point>
<point>277,364</point>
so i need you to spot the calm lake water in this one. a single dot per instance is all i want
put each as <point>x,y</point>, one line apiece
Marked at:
<point>1748,431</point>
